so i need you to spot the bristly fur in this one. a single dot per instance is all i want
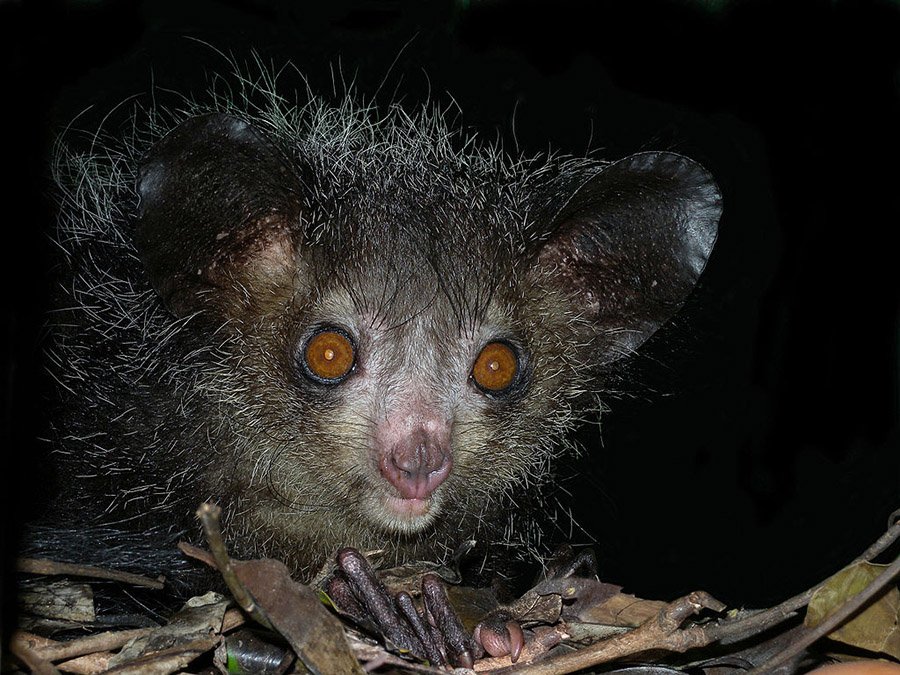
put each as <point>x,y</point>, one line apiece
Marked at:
<point>422,242</point>
<point>150,404</point>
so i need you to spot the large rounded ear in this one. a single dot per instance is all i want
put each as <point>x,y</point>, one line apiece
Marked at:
<point>218,202</point>
<point>629,243</point>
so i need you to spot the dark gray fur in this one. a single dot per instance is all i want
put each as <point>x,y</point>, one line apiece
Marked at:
<point>205,248</point>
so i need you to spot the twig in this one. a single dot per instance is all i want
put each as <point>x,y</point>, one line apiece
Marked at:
<point>53,651</point>
<point>373,656</point>
<point>884,541</point>
<point>737,629</point>
<point>847,610</point>
<point>210,515</point>
<point>180,655</point>
<point>233,618</point>
<point>32,641</point>
<point>101,642</point>
<point>664,633</point>
<point>89,664</point>
<point>661,632</point>
<point>34,663</point>
<point>52,567</point>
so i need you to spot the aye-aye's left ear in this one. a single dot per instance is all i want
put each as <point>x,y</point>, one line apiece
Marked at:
<point>220,205</point>
<point>630,242</point>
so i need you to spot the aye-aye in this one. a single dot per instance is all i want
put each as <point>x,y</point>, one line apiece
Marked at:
<point>349,328</point>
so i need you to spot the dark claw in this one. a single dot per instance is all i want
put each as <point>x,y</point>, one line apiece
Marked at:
<point>516,640</point>
<point>500,635</point>
<point>461,650</point>
<point>432,649</point>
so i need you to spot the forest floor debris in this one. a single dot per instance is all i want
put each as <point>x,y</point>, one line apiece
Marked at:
<point>570,624</point>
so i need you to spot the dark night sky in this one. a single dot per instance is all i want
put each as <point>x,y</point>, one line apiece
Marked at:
<point>756,448</point>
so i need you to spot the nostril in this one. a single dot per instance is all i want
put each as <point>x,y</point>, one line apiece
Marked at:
<point>413,462</point>
<point>421,461</point>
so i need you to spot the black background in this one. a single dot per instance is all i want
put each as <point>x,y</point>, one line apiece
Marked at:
<point>756,448</point>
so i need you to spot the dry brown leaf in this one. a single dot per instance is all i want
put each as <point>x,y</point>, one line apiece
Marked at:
<point>622,610</point>
<point>471,604</point>
<point>62,599</point>
<point>294,610</point>
<point>197,623</point>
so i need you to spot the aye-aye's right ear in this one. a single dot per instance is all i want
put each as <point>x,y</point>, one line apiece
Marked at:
<point>629,243</point>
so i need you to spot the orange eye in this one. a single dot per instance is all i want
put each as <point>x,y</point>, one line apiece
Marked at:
<point>496,367</point>
<point>329,355</point>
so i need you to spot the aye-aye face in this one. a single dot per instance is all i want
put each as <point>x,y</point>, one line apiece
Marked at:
<point>406,343</point>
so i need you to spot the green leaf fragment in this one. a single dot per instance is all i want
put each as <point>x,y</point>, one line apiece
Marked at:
<point>877,627</point>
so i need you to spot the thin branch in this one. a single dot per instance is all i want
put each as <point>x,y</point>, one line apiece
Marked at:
<point>662,632</point>
<point>90,664</point>
<point>178,656</point>
<point>210,517</point>
<point>101,642</point>
<point>834,621</point>
<point>52,567</point>
<point>737,629</point>
<point>34,663</point>
<point>884,541</point>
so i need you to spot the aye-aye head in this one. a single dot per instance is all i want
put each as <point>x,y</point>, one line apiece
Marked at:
<point>403,332</point>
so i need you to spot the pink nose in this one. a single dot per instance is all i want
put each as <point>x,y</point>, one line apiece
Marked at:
<point>416,464</point>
